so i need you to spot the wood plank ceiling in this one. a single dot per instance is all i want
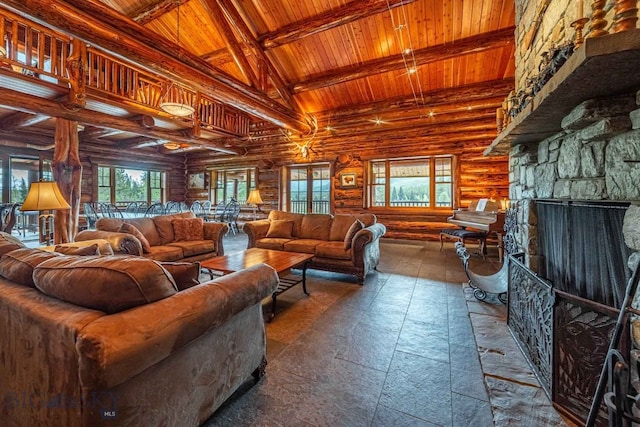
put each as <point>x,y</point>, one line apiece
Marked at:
<point>344,64</point>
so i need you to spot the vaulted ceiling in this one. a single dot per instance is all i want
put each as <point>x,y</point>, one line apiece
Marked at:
<point>292,64</point>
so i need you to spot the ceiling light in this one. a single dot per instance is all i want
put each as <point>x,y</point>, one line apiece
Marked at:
<point>171,145</point>
<point>377,121</point>
<point>177,109</point>
<point>407,51</point>
<point>431,114</point>
<point>411,70</point>
<point>174,99</point>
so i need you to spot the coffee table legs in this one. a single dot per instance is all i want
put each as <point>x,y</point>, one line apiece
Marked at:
<point>286,284</point>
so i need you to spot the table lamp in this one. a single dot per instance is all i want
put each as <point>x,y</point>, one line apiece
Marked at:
<point>255,199</point>
<point>44,196</point>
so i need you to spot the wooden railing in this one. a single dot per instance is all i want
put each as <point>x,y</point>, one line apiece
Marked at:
<point>39,52</point>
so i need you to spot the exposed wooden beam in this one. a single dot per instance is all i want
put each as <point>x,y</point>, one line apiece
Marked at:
<point>35,105</point>
<point>19,120</point>
<point>333,18</point>
<point>219,57</point>
<point>155,10</point>
<point>278,82</point>
<point>218,16</point>
<point>99,24</point>
<point>441,52</point>
<point>92,132</point>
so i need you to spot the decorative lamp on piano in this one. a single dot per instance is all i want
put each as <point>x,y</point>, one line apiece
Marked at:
<point>45,196</point>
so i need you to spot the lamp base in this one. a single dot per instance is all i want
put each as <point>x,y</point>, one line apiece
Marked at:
<point>46,228</point>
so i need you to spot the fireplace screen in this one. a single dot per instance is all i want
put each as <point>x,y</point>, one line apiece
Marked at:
<point>583,251</point>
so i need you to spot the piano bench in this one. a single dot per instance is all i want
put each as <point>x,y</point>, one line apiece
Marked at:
<point>460,235</point>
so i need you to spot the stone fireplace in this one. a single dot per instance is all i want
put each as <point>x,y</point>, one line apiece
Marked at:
<point>577,198</point>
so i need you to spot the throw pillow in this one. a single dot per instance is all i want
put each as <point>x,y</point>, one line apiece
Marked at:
<point>18,265</point>
<point>78,250</point>
<point>280,228</point>
<point>9,243</point>
<point>185,274</point>
<point>131,229</point>
<point>188,229</point>
<point>355,227</point>
<point>110,284</point>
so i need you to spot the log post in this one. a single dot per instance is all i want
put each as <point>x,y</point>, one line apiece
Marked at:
<point>67,172</point>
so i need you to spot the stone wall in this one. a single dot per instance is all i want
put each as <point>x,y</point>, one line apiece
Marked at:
<point>554,29</point>
<point>596,156</point>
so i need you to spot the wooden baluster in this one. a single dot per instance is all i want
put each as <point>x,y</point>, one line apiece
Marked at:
<point>626,15</point>
<point>596,27</point>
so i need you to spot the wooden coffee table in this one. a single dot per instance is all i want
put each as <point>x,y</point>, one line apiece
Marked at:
<point>282,262</point>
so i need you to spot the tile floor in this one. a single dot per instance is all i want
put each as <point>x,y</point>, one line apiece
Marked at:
<point>398,351</point>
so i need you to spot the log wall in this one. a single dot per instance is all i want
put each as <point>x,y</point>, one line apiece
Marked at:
<point>475,177</point>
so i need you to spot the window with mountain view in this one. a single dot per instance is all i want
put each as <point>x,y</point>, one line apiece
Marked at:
<point>309,189</point>
<point>411,183</point>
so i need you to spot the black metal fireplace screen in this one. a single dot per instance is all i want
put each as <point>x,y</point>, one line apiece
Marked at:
<point>563,318</point>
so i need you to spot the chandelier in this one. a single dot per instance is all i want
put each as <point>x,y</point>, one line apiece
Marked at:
<point>175,101</point>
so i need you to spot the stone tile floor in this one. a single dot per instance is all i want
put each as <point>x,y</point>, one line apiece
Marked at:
<point>411,347</point>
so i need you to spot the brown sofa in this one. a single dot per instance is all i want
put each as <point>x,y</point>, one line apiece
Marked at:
<point>335,244</point>
<point>159,232</point>
<point>172,361</point>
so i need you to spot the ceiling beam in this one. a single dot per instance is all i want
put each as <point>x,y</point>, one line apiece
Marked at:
<point>333,18</point>
<point>98,24</point>
<point>20,120</point>
<point>441,52</point>
<point>278,82</point>
<point>218,16</point>
<point>155,10</point>
<point>36,105</point>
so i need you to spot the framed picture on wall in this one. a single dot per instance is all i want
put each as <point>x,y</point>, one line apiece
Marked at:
<point>196,180</point>
<point>348,179</point>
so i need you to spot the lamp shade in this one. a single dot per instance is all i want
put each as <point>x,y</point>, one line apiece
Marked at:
<point>44,196</point>
<point>177,109</point>
<point>254,197</point>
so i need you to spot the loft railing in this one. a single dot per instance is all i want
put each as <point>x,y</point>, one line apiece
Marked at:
<point>39,52</point>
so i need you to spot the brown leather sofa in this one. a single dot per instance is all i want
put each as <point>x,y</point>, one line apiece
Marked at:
<point>164,244</point>
<point>112,358</point>
<point>348,244</point>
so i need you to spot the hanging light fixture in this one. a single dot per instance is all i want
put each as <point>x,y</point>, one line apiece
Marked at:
<point>174,100</point>
<point>171,145</point>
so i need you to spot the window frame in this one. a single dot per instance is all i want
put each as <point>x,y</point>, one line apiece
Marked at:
<point>112,182</point>
<point>371,184</point>
<point>286,190</point>
<point>220,184</point>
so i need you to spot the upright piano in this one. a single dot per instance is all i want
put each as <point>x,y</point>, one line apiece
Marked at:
<point>484,215</point>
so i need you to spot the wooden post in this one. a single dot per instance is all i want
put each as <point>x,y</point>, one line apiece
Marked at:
<point>67,172</point>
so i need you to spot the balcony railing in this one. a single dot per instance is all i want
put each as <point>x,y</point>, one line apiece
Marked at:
<point>317,206</point>
<point>39,52</point>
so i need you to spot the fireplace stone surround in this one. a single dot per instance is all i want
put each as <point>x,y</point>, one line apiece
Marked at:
<point>593,161</point>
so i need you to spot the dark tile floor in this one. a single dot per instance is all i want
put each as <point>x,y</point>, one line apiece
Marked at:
<point>398,351</point>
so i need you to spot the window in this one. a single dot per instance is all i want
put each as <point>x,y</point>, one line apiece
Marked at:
<point>230,184</point>
<point>24,171</point>
<point>309,189</point>
<point>419,182</point>
<point>121,186</point>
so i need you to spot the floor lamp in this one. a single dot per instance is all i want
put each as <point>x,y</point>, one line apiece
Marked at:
<point>45,196</point>
<point>254,199</point>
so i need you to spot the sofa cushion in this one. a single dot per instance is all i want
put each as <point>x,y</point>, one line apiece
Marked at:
<point>315,226</point>
<point>18,264</point>
<point>9,243</point>
<point>147,227</point>
<point>280,228</point>
<point>187,229</point>
<point>340,226</point>
<point>185,274</point>
<point>116,283</point>
<point>78,250</point>
<point>272,243</point>
<point>307,246</point>
<point>104,247</point>
<point>333,250</point>
<point>194,247</point>
<point>164,226</point>
<point>368,219</point>
<point>165,253</point>
<point>133,230</point>
<point>353,230</point>
<point>288,216</point>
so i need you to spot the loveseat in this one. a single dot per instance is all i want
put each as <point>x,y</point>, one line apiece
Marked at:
<point>348,244</point>
<point>111,341</point>
<point>176,237</point>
